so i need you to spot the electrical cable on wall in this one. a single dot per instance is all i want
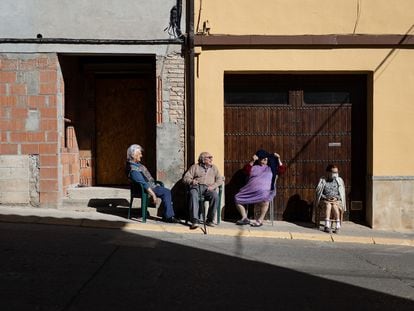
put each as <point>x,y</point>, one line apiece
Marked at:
<point>199,16</point>
<point>358,15</point>
<point>174,27</point>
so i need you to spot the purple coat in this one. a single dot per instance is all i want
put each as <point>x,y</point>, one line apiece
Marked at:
<point>258,187</point>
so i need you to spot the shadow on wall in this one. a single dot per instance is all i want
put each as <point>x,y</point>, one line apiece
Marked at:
<point>125,270</point>
<point>180,199</point>
<point>297,210</point>
<point>237,181</point>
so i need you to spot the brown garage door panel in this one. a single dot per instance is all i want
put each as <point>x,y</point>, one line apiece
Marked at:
<point>124,115</point>
<point>311,131</point>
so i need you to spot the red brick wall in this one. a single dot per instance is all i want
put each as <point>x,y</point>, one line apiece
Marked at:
<point>31,115</point>
<point>70,160</point>
<point>86,168</point>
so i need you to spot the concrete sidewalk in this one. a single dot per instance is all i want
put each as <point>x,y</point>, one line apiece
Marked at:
<point>110,218</point>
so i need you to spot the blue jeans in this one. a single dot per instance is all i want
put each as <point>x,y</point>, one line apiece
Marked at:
<point>165,195</point>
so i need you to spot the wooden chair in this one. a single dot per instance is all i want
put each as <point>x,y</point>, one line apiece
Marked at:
<point>138,191</point>
<point>319,212</point>
<point>271,204</point>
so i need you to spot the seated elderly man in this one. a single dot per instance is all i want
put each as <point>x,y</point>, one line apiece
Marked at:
<point>203,178</point>
<point>330,196</point>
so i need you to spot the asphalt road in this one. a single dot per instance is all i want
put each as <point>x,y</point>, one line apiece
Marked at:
<point>48,267</point>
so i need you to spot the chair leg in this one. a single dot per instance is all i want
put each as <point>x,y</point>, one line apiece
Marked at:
<point>219,205</point>
<point>272,211</point>
<point>144,209</point>
<point>130,207</point>
<point>317,217</point>
<point>203,214</point>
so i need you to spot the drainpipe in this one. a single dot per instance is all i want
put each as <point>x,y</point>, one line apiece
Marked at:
<point>189,53</point>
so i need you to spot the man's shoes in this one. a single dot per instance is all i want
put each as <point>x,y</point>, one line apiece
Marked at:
<point>172,220</point>
<point>210,223</point>
<point>194,225</point>
<point>327,230</point>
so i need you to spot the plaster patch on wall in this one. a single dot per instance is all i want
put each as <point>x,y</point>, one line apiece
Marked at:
<point>170,164</point>
<point>32,120</point>
<point>34,168</point>
<point>170,133</point>
<point>31,78</point>
<point>14,179</point>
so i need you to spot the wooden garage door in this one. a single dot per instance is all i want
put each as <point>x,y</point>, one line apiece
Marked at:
<point>125,115</point>
<point>309,120</point>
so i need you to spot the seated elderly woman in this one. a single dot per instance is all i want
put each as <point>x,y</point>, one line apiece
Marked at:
<point>260,188</point>
<point>330,197</point>
<point>137,172</point>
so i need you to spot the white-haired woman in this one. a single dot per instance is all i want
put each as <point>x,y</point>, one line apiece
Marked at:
<point>137,172</point>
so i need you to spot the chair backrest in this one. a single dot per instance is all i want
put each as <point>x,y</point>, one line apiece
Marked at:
<point>136,189</point>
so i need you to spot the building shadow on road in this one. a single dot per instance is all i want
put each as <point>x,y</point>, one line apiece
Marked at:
<point>113,206</point>
<point>75,268</point>
<point>119,207</point>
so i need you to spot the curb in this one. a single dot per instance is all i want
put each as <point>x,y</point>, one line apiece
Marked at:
<point>216,231</point>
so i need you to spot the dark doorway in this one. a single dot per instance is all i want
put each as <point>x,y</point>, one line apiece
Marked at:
<point>110,100</point>
<point>312,121</point>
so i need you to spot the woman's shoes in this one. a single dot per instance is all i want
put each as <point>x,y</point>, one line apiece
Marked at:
<point>256,224</point>
<point>245,221</point>
<point>242,222</point>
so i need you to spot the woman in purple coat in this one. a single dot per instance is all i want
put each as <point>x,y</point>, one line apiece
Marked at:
<point>260,188</point>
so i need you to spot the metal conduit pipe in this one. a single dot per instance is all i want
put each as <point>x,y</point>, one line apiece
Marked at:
<point>189,73</point>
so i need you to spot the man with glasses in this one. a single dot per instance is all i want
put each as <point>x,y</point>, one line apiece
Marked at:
<point>203,178</point>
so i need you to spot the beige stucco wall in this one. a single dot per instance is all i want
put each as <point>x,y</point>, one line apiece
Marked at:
<point>391,143</point>
<point>394,116</point>
<point>392,112</point>
<point>297,17</point>
<point>393,203</point>
<point>390,120</point>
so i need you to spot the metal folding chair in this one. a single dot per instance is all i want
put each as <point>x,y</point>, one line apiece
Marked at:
<point>272,212</point>
<point>272,205</point>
